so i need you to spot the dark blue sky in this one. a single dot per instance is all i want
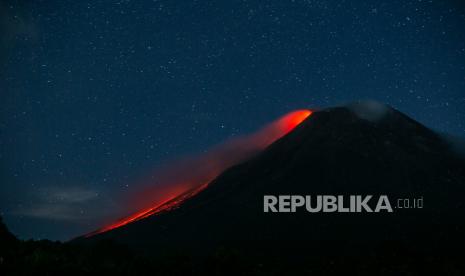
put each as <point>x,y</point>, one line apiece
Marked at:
<point>95,94</point>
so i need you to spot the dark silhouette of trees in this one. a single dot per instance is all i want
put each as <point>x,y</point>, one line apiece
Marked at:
<point>105,257</point>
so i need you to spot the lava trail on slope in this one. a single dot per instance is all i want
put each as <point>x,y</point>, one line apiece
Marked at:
<point>194,175</point>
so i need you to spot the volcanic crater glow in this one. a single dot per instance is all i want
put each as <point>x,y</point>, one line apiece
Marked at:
<point>208,166</point>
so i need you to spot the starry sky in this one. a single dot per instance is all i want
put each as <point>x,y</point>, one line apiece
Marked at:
<point>96,94</point>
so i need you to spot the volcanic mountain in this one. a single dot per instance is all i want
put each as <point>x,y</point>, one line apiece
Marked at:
<point>365,148</point>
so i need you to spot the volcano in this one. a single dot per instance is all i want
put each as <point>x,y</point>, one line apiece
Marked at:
<point>364,148</point>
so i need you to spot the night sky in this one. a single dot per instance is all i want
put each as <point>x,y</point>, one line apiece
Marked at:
<point>96,94</point>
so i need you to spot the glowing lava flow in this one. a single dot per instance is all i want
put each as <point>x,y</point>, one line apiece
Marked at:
<point>169,204</point>
<point>210,165</point>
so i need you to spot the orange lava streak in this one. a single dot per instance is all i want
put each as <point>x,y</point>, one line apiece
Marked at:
<point>294,119</point>
<point>169,204</point>
<point>219,159</point>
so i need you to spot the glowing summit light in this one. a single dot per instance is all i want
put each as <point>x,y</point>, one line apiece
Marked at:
<point>207,167</point>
